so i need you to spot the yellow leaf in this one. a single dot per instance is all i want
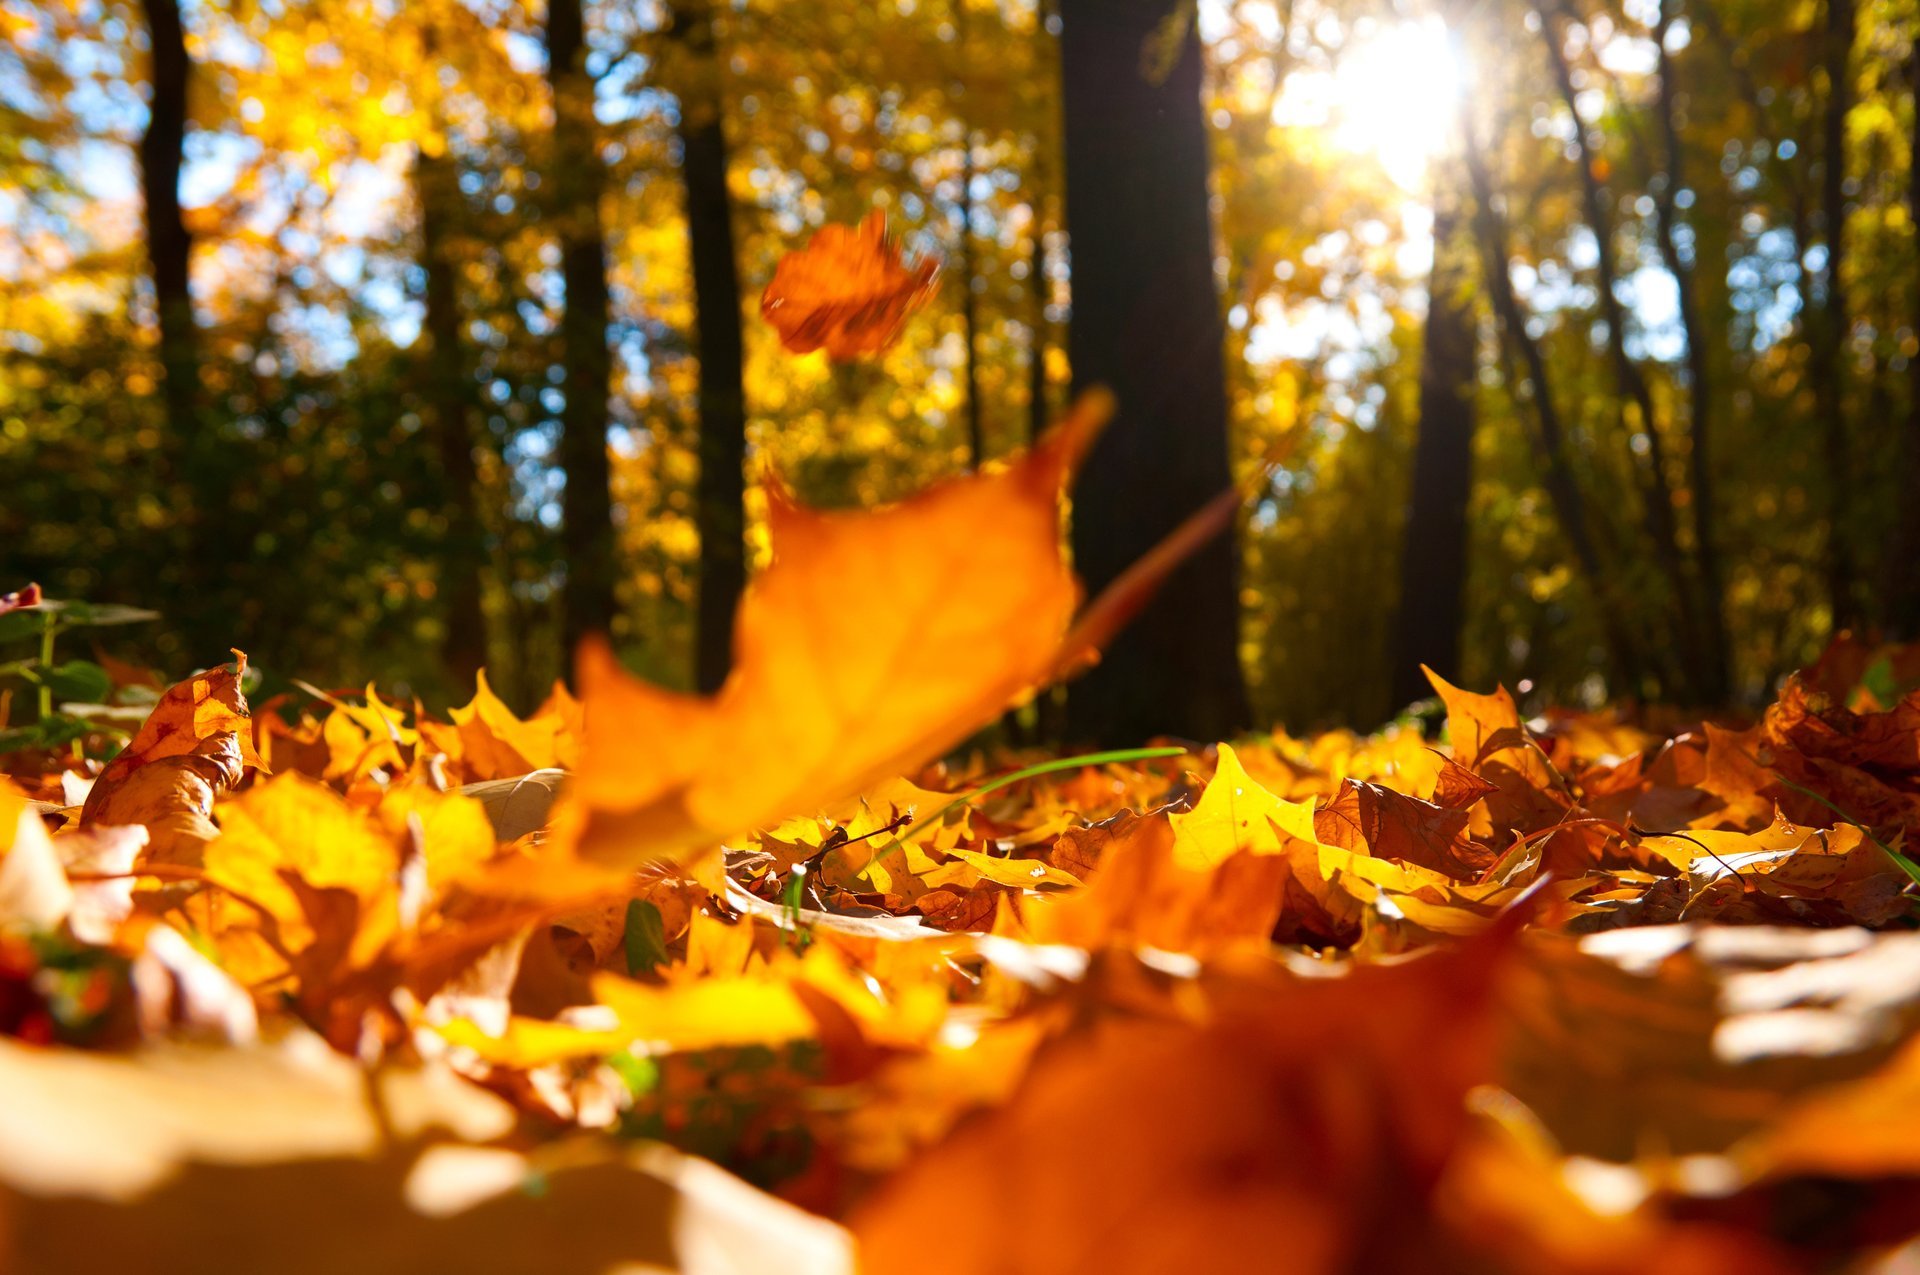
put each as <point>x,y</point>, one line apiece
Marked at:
<point>1236,813</point>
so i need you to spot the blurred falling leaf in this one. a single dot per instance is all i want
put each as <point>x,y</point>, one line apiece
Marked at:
<point>848,291</point>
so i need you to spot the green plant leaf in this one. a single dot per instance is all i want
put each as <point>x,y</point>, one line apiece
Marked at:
<point>79,680</point>
<point>646,937</point>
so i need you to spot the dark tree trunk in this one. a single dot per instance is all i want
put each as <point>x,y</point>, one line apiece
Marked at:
<point>190,456</point>
<point>169,246</point>
<point>970,308</point>
<point>720,503</point>
<point>1903,616</point>
<point>449,404</point>
<point>1433,560</point>
<point>587,509</point>
<point>1563,488</point>
<point>1147,323</point>
<point>1039,408</point>
<point>1827,369</point>
<point>1700,404</point>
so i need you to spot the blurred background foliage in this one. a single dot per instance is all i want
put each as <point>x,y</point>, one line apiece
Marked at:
<point>1701,209</point>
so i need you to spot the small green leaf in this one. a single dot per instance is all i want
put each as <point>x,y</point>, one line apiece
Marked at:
<point>1878,681</point>
<point>646,937</point>
<point>79,680</point>
<point>93,615</point>
<point>54,731</point>
<point>639,1074</point>
<point>17,626</point>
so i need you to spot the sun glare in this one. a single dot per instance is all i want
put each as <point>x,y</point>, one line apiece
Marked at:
<point>1392,95</point>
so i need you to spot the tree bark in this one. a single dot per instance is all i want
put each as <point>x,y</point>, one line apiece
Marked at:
<point>587,536</point>
<point>1904,600</point>
<point>449,414</point>
<point>1827,369</point>
<point>1700,404</point>
<point>169,245</point>
<point>1433,559</point>
<point>970,308</point>
<point>1147,322</point>
<point>720,501</point>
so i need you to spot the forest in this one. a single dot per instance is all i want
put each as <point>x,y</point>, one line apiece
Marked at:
<point>975,635</point>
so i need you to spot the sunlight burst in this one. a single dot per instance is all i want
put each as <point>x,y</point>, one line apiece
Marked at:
<point>1393,95</point>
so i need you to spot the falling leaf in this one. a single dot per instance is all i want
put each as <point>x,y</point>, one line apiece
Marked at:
<point>964,595</point>
<point>848,291</point>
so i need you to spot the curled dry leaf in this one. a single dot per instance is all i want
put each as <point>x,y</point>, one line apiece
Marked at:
<point>848,291</point>
<point>193,748</point>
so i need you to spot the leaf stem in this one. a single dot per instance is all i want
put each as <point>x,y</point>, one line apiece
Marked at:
<point>1042,768</point>
<point>1906,864</point>
<point>46,664</point>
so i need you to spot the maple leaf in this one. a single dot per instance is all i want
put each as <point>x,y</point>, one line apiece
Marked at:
<point>968,598</point>
<point>848,291</point>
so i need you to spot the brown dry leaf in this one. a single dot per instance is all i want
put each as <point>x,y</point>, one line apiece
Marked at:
<point>1490,740</point>
<point>1391,825</point>
<point>194,748</point>
<point>829,696</point>
<point>848,291</point>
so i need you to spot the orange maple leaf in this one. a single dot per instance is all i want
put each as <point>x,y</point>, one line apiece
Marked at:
<point>875,640</point>
<point>849,291</point>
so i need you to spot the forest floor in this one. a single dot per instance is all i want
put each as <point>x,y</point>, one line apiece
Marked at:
<point>342,982</point>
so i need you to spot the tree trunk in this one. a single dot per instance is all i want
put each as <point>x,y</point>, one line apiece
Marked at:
<point>1700,404</point>
<point>169,246</point>
<point>1827,368</point>
<point>1563,489</point>
<point>1656,494</point>
<point>1904,601</point>
<point>1433,560</point>
<point>449,403</point>
<point>720,502</point>
<point>587,536</point>
<point>1039,408</point>
<point>190,456</point>
<point>970,308</point>
<point>1147,323</point>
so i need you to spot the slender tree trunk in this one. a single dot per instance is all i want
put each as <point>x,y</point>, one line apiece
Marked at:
<point>1827,369</point>
<point>449,412</point>
<point>1700,404</point>
<point>970,307</point>
<point>1039,408</point>
<point>169,246</point>
<point>587,535</point>
<point>189,454</point>
<point>1563,489</point>
<point>1656,494</point>
<point>1904,603</point>
<point>720,502</point>
<point>1433,559</point>
<point>1147,322</point>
